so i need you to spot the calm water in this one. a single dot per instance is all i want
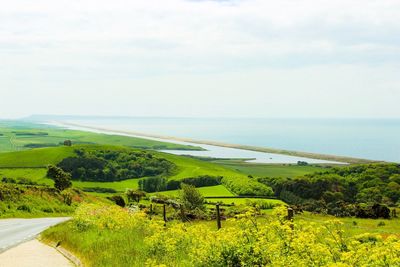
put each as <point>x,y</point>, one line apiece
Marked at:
<point>371,139</point>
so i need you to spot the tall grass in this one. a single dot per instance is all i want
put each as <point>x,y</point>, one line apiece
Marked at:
<point>110,236</point>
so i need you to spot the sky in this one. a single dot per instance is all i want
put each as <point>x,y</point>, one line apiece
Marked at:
<point>181,58</point>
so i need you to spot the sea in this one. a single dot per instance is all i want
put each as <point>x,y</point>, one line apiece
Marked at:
<point>375,139</point>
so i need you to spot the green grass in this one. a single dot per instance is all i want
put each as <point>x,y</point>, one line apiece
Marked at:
<point>270,170</point>
<point>118,186</point>
<point>243,201</point>
<point>39,176</point>
<point>207,191</point>
<point>361,226</point>
<point>16,165</point>
<point>190,167</point>
<point>32,201</point>
<point>34,174</point>
<point>10,141</point>
<point>94,236</point>
<point>39,157</point>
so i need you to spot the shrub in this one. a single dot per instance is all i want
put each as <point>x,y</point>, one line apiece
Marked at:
<point>118,200</point>
<point>8,180</point>
<point>134,195</point>
<point>246,187</point>
<point>99,190</point>
<point>191,197</point>
<point>24,207</point>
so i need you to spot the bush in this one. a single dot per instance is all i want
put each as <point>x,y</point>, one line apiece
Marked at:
<point>191,198</point>
<point>8,180</point>
<point>134,195</point>
<point>24,207</point>
<point>118,200</point>
<point>99,190</point>
<point>246,187</point>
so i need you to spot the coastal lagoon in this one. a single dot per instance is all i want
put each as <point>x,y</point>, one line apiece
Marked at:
<point>210,151</point>
<point>375,139</point>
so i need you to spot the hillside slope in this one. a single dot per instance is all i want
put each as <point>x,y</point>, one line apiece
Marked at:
<point>13,163</point>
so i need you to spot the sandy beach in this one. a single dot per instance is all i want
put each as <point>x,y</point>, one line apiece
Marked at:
<point>333,158</point>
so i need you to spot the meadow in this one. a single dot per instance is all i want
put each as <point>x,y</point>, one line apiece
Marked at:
<point>17,136</point>
<point>30,201</point>
<point>207,191</point>
<point>31,164</point>
<point>102,236</point>
<point>270,170</point>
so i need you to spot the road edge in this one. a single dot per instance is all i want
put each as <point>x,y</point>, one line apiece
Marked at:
<point>66,253</point>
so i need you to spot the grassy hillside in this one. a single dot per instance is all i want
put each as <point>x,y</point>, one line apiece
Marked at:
<point>25,201</point>
<point>39,157</point>
<point>16,136</point>
<point>190,167</point>
<point>34,174</point>
<point>207,191</point>
<point>30,164</point>
<point>270,170</point>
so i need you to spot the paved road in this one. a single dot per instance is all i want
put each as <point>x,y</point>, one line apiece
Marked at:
<point>17,231</point>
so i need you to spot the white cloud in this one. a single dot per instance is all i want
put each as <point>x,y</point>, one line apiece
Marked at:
<point>76,47</point>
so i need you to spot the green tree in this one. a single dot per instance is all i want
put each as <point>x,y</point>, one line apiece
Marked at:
<point>62,180</point>
<point>134,195</point>
<point>191,197</point>
<point>67,143</point>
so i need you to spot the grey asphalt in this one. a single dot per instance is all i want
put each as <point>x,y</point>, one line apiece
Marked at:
<point>16,231</point>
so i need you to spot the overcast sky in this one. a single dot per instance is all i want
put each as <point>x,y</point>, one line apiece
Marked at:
<point>254,58</point>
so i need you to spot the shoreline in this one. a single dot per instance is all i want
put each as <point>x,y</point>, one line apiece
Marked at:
<point>342,159</point>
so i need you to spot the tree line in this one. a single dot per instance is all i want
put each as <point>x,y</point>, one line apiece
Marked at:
<point>361,190</point>
<point>113,165</point>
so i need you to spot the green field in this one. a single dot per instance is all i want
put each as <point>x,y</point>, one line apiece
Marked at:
<point>356,226</point>
<point>190,167</point>
<point>39,157</point>
<point>16,136</point>
<point>31,164</point>
<point>34,174</point>
<point>38,175</point>
<point>270,170</point>
<point>207,191</point>
<point>243,201</point>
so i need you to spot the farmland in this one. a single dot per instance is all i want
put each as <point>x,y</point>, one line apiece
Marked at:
<point>31,164</point>
<point>252,199</point>
<point>17,136</point>
<point>270,170</point>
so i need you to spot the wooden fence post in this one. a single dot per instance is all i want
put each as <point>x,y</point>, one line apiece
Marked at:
<point>394,213</point>
<point>165,215</point>
<point>182,214</point>
<point>290,215</point>
<point>218,217</point>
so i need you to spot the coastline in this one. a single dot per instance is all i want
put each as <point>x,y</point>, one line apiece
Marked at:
<point>342,159</point>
